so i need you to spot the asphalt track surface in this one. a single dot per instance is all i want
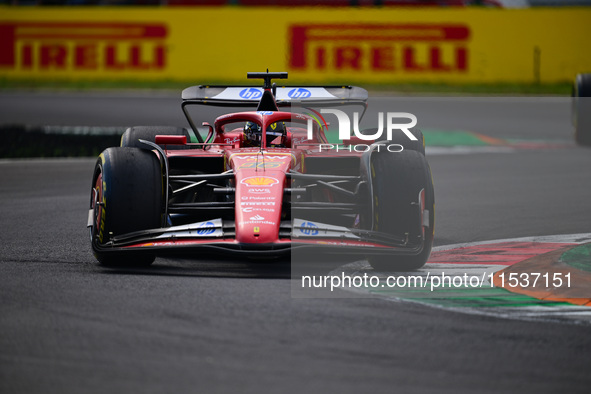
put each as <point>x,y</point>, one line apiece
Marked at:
<point>68,325</point>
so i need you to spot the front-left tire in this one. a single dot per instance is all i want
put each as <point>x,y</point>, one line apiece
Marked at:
<point>399,182</point>
<point>126,196</point>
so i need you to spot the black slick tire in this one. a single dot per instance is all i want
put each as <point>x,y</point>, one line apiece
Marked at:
<point>397,179</point>
<point>126,197</point>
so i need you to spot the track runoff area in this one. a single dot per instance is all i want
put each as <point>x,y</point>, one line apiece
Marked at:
<point>532,278</point>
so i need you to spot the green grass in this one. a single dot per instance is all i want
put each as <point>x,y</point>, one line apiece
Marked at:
<point>559,89</point>
<point>578,257</point>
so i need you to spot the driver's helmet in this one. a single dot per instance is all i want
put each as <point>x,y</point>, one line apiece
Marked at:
<point>253,134</point>
<point>274,131</point>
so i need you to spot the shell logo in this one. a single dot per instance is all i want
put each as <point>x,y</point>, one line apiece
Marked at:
<point>259,181</point>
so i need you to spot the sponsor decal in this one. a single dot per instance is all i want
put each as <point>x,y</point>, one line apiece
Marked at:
<point>83,46</point>
<point>263,160</point>
<point>258,198</point>
<point>257,222</point>
<point>304,228</point>
<point>252,209</point>
<point>211,228</point>
<point>251,93</point>
<point>380,47</point>
<point>257,218</point>
<point>259,181</point>
<point>240,94</point>
<point>299,140</point>
<point>206,228</point>
<point>265,112</point>
<point>256,190</point>
<point>267,157</point>
<point>308,228</point>
<point>258,203</point>
<point>302,93</point>
<point>299,93</point>
<point>262,163</point>
<point>230,140</point>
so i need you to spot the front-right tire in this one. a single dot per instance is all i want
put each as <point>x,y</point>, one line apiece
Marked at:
<point>126,196</point>
<point>397,180</point>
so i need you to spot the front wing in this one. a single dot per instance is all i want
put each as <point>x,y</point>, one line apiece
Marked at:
<point>216,237</point>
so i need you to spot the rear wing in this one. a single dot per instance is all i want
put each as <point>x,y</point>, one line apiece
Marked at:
<point>249,96</point>
<point>270,97</point>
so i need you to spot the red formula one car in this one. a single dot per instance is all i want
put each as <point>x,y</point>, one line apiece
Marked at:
<point>263,183</point>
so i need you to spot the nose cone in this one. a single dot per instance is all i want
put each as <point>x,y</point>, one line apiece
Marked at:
<point>260,180</point>
<point>258,209</point>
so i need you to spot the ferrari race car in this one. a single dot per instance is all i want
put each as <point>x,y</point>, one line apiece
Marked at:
<point>264,182</point>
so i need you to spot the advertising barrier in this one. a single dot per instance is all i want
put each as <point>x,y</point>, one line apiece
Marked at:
<point>321,45</point>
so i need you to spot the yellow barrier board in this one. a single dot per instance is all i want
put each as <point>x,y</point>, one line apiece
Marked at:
<point>320,45</point>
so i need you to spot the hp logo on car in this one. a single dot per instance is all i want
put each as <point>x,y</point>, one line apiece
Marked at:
<point>299,93</point>
<point>309,228</point>
<point>250,93</point>
<point>206,228</point>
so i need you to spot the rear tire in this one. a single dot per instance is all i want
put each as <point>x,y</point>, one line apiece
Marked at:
<point>397,180</point>
<point>133,134</point>
<point>582,109</point>
<point>126,197</point>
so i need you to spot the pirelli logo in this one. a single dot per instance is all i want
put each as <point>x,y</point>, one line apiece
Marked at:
<point>78,46</point>
<point>397,48</point>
